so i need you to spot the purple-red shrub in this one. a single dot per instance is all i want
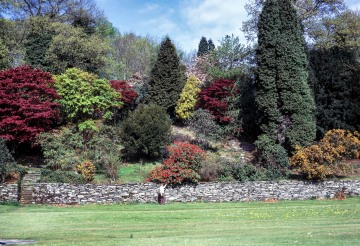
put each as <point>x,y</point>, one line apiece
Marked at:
<point>215,98</point>
<point>128,95</point>
<point>27,103</point>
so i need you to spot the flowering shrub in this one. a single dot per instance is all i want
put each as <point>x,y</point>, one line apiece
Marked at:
<point>186,155</point>
<point>87,170</point>
<point>182,165</point>
<point>324,158</point>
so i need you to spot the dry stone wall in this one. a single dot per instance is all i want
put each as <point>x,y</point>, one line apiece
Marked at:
<point>209,192</point>
<point>8,193</point>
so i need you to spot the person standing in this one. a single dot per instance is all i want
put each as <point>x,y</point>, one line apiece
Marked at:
<point>161,196</point>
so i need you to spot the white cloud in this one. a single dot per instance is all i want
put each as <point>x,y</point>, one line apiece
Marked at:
<point>355,6</point>
<point>150,7</point>
<point>213,19</point>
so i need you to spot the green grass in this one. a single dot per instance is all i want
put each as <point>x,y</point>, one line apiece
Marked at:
<point>131,173</point>
<point>316,222</point>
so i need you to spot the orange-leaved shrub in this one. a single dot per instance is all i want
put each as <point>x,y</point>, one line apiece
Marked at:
<point>182,165</point>
<point>87,170</point>
<point>325,158</point>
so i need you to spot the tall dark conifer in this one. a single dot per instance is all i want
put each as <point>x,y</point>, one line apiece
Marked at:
<point>167,78</point>
<point>203,47</point>
<point>284,100</point>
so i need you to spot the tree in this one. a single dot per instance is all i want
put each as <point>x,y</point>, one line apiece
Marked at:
<point>342,30</point>
<point>229,58</point>
<point>85,96</point>
<point>308,12</point>
<point>72,47</point>
<point>37,42</point>
<point>205,46</point>
<point>132,54</point>
<point>185,106</point>
<point>167,78</point>
<point>4,56</point>
<point>27,104</point>
<point>336,81</point>
<point>146,132</point>
<point>284,99</point>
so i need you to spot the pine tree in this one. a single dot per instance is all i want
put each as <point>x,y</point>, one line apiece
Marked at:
<point>203,47</point>
<point>284,99</point>
<point>211,45</point>
<point>167,78</point>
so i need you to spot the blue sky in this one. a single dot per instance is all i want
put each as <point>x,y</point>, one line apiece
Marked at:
<point>184,21</point>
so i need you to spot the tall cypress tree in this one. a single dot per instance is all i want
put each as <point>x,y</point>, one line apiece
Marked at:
<point>284,100</point>
<point>167,78</point>
<point>203,47</point>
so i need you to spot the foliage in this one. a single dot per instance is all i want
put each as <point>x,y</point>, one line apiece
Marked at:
<point>89,55</point>
<point>87,170</point>
<point>182,165</point>
<point>342,30</point>
<point>27,104</point>
<point>85,96</point>
<point>335,79</point>
<point>104,149</point>
<point>61,149</point>
<point>324,158</point>
<point>244,172</point>
<point>146,131</point>
<point>58,176</point>
<point>4,56</point>
<point>186,104</point>
<point>212,168</point>
<point>286,109</point>
<point>7,162</point>
<point>309,13</point>
<point>128,98</point>
<point>167,78</point>
<point>229,58</point>
<point>37,42</point>
<point>205,46</point>
<point>131,54</point>
<point>204,125</point>
<point>271,156</point>
<point>186,155</point>
<point>200,67</point>
<point>215,99</point>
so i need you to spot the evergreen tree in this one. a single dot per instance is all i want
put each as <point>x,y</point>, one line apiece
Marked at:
<point>284,99</point>
<point>185,106</point>
<point>203,47</point>
<point>336,78</point>
<point>167,78</point>
<point>211,45</point>
<point>38,42</point>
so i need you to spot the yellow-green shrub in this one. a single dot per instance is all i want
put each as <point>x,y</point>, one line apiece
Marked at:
<point>186,104</point>
<point>324,158</point>
<point>87,170</point>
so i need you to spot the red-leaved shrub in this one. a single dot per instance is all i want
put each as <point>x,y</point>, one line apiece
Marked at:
<point>128,95</point>
<point>182,165</point>
<point>215,98</point>
<point>27,105</point>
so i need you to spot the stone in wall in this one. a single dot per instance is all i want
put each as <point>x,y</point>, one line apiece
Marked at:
<point>209,192</point>
<point>8,193</point>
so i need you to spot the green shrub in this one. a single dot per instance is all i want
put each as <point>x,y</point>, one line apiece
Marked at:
<point>51,176</point>
<point>146,131</point>
<point>7,162</point>
<point>212,168</point>
<point>272,157</point>
<point>62,150</point>
<point>203,124</point>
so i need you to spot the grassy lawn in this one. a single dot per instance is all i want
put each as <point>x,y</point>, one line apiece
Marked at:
<point>316,222</point>
<point>131,173</point>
